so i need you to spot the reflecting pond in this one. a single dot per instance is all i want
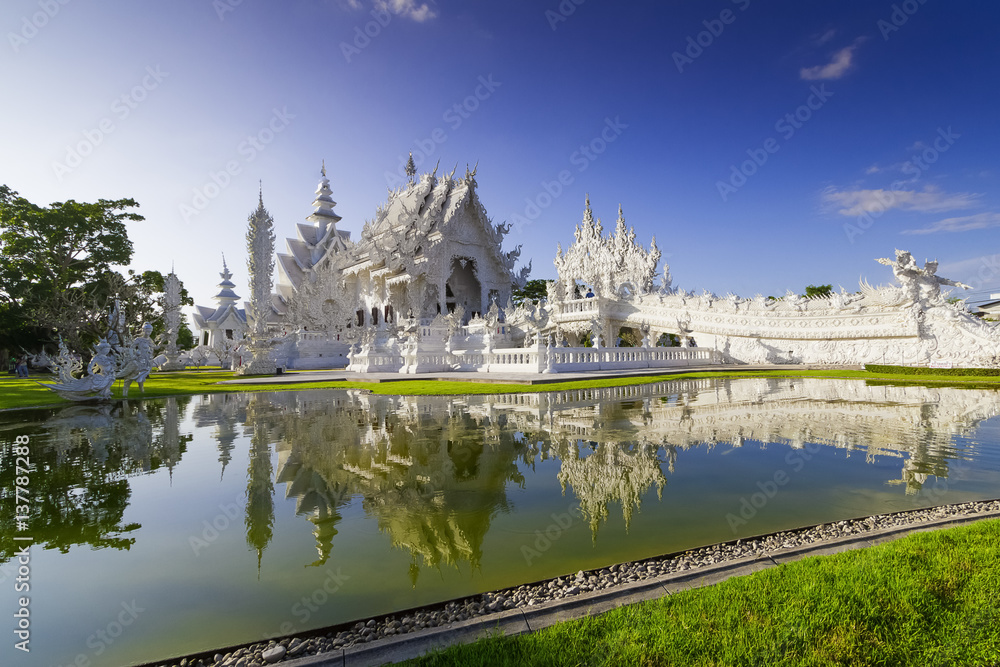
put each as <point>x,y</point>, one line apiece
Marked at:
<point>170,526</point>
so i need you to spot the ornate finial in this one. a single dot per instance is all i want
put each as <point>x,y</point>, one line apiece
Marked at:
<point>224,267</point>
<point>260,192</point>
<point>323,169</point>
<point>411,168</point>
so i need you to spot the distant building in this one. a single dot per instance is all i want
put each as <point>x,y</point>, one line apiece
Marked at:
<point>992,307</point>
<point>225,321</point>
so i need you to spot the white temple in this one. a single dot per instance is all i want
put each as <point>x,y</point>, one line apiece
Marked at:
<point>226,320</point>
<point>427,288</point>
<point>430,252</point>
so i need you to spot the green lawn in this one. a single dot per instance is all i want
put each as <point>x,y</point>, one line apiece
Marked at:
<point>22,393</point>
<point>927,599</point>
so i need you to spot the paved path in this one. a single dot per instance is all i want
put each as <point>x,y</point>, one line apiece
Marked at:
<point>295,377</point>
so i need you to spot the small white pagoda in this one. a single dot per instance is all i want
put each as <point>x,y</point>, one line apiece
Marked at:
<point>225,321</point>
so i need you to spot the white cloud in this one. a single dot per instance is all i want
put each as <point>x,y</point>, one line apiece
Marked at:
<point>408,9</point>
<point>930,200</point>
<point>835,69</point>
<point>960,224</point>
<point>826,36</point>
<point>874,169</point>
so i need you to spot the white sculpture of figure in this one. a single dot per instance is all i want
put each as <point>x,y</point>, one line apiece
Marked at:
<point>597,331</point>
<point>930,287</point>
<point>666,286</point>
<point>921,285</point>
<point>96,384</point>
<point>137,361</point>
<point>549,357</point>
<point>116,324</point>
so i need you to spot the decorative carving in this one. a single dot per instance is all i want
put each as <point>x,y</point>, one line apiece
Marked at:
<point>96,384</point>
<point>171,322</point>
<point>260,264</point>
<point>614,266</point>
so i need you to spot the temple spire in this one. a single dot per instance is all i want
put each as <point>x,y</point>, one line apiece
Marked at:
<point>226,295</point>
<point>411,168</point>
<point>323,215</point>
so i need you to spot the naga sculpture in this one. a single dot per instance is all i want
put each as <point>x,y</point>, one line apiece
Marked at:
<point>96,384</point>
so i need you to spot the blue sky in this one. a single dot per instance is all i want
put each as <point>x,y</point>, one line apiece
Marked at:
<point>767,146</point>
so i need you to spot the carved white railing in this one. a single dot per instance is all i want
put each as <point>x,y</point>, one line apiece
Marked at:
<point>582,359</point>
<point>588,305</point>
<point>546,360</point>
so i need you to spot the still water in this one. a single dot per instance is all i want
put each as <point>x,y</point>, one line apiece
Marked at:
<point>171,526</point>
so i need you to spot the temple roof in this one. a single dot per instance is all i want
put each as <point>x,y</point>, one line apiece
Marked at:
<point>317,238</point>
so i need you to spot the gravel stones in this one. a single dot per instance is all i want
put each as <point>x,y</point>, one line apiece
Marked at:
<point>530,595</point>
<point>274,654</point>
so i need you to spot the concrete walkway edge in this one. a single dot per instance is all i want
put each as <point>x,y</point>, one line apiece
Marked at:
<point>531,619</point>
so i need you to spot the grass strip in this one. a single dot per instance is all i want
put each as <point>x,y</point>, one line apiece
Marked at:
<point>925,370</point>
<point>926,599</point>
<point>25,393</point>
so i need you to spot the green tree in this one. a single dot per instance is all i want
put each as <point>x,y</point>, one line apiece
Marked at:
<point>817,291</point>
<point>629,337</point>
<point>56,277</point>
<point>142,298</point>
<point>668,340</point>
<point>56,271</point>
<point>534,290</point>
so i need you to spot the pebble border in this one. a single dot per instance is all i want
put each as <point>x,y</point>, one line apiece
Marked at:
<point>529,596</point>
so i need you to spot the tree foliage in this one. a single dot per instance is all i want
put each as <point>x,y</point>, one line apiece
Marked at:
<point>534,290</point>
<point>817,291</point>
<point>58,277</point>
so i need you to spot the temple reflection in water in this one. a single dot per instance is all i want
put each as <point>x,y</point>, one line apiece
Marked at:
<point>435,472</point>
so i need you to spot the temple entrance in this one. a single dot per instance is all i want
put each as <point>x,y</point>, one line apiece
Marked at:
<point>463,288</point>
